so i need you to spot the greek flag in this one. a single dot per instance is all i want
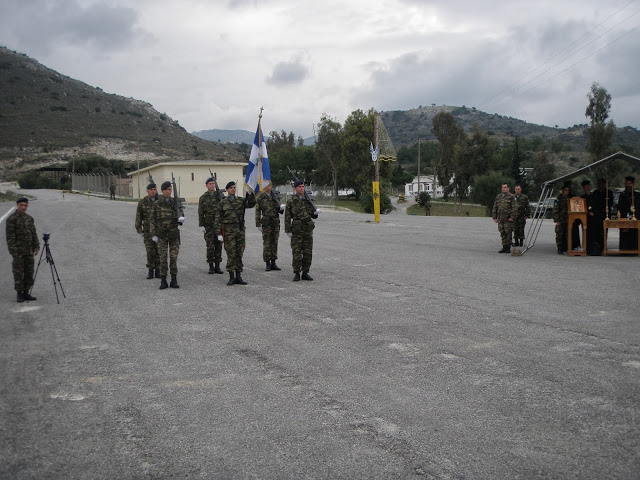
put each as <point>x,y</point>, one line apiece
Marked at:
<point>374,152</point>
<point>258,173</point>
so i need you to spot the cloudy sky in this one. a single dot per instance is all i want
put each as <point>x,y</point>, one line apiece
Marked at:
<point>214,63</point>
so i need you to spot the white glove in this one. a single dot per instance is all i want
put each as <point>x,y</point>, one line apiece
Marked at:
<point>260,228</point>
<point>318,212</point>
<point>289,234</point>
<point>203,230</point>
<point>155,239</point>
<point>141,234</point>
<point>219,238</point>
<point>282,207</point>
<point>180,220</point>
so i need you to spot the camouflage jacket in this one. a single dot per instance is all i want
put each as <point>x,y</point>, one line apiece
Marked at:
<point>230,212</point>
<point>298,215</point>
<point>522,206</point>
<point>267,209</point>
<point>504,207</point>
<point>164,222</point>
<point>208,207</point>
<point>144,213</point>
<point>561,209</point>
<point>22,238</point>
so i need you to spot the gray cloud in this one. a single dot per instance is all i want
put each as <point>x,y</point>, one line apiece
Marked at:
<point>288,73</point>
<point>42,26</point>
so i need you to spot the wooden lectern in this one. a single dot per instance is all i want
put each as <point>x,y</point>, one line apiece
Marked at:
<point>577,211</point>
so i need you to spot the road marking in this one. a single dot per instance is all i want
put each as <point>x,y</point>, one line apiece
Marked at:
<point>73,397</point>
<point>25,309</point>
<point>631,363</point>
<point>7,214</point>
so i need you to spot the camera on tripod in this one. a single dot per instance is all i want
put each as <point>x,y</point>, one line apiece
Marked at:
<point>45,236</point>
<point>46,255</point>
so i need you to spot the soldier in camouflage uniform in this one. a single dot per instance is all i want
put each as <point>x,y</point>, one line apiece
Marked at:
<point>231,219</point>
<point>561,218</point>
<point>143,227</point>
<point>23,244</point>
<point>298,225</point>
<point>504,211</point>
<point>268,210</point>
<point>523,211</point>
<point>208,207</point>
<point>164,230</point>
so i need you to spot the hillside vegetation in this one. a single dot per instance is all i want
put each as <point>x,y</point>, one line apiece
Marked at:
<point>48,118</point>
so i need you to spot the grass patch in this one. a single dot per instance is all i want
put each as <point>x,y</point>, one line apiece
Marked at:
<point>446,209</point>
<point>12,196</point>
<point>350,203</point>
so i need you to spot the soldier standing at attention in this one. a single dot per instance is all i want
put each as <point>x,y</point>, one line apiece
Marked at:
<point>523,211</point>
<point>208,207</point>
<point>561,218</point>
<point>231,219</point>
<point>164,230</point>
<point>504,211</point>
<point>298,225</point>
<point>144,213</point>
<point>268,210</point>
<point>112,192</point>
<point>23,244</point>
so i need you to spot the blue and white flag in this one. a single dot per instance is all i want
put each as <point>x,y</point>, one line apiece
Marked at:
<point>258,172</point>
<point>374,153</point>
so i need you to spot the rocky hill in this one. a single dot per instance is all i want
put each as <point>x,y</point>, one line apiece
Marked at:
<point>47,118</point>
<point>405,127</point>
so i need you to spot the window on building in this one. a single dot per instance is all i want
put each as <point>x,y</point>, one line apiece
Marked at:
<point>192,177</point>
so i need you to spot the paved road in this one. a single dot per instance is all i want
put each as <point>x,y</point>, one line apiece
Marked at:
<point>417,352</point>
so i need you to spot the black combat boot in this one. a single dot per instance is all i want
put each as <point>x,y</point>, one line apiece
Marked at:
<point>306,276</point>
<point>522,242</point>
<point>239,279</point>
<point>501,251</point>
<point>232,278</point>
<point>274,266</point>
<point>27,296</point>
<point>211,269</point>
<point>20,297</point>
<point>268,269</point>
<point>217,268</point>
<point>174,281</point>
<point>150,274</point>
<point>163,283</point>
<point>296,277</point>
<point>158,273</point>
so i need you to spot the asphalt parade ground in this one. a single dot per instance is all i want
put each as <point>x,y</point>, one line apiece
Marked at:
<point>418,351</point>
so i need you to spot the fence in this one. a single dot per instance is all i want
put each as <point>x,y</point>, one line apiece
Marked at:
<point>101,183</point>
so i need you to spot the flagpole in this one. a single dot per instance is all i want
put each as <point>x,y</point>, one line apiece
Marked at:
<point>260,149</point>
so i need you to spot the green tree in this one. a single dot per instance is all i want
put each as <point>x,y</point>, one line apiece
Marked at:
<point>472,156</point>
<point>487,186</point>
<point>449,134</point>
<point>357,169</point>
<point>600,132</point>
<point>543,171</point>
<point>329,151</point>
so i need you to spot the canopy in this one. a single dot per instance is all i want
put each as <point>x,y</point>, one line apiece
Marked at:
<point>547,190</point>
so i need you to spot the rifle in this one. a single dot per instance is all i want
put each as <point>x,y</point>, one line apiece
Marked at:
<point>177,201</point>
<point>215,180</point>
<point>306,194</point>
<point>150,178</point>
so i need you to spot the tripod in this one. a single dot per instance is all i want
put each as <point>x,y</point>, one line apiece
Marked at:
<point>52,264</point>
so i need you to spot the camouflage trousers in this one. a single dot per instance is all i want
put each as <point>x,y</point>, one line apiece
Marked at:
<point>518,227</point>
<point>505,228</point>
<point>214,247</point>
<point>153,258</point>
<point>23,272</point>
<point>562,236</point>
<point>302,251</point>
<point>270,237</point>
<point>168,247</point>
<point>234,242</point>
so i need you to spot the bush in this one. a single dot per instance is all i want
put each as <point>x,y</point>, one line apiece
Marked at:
<point>32,180</point>
<point>366,200</point>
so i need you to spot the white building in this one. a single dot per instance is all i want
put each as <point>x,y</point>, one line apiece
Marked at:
<point>426,185</point>
<point>190,176</point>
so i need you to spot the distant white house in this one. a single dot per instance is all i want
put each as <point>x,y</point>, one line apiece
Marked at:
<point>426,185</point>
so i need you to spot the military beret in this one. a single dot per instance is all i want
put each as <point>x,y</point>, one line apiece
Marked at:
<point>229,185</point>
<point>585,182</point>
<point>22,200</point>
<point>151,185</point>
<point>297,183</point>
<point>165,185</point>
<point>630,179</point>
<point>210,179</point>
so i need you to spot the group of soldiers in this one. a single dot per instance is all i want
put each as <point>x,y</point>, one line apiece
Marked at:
<point>598,208</point>
<point>221,219</point>
<point>511,211</point>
